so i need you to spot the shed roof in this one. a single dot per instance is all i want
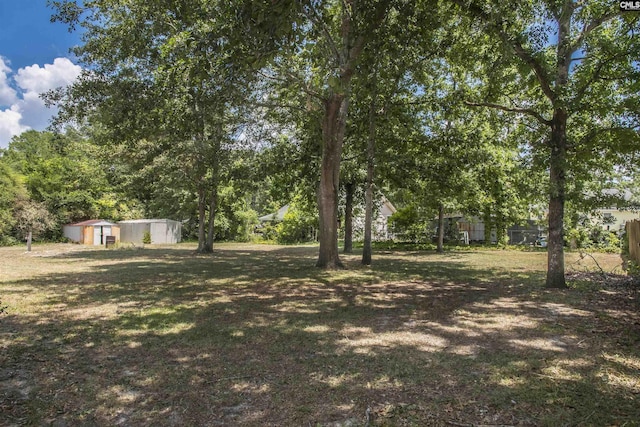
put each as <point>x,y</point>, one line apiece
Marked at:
<point>144,221</point>
<point>93,222</point>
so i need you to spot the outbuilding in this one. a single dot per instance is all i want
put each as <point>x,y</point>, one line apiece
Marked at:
<point>91,232</point>
<point>161,231</point>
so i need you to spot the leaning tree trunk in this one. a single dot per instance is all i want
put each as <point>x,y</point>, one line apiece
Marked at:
<point>348,218</point>
<point>333,129</point>
<point>441,228</point>
<point>557,170</point>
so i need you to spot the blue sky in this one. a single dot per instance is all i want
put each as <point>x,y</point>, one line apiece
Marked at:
<point>34,57</point>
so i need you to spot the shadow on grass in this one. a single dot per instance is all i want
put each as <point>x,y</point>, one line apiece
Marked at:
<point>253,336</point>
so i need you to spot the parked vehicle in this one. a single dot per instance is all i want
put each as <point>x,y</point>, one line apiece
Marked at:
<point>541,242</point>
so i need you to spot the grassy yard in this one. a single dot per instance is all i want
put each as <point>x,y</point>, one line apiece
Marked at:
<point>256,336</point>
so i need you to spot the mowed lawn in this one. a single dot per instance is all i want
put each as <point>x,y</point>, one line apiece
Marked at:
<point>257,336</point>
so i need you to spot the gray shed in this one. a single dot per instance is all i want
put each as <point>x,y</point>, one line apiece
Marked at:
<point>162,231</point>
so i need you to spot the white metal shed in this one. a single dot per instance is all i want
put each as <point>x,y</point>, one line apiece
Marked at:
<point>162,231</point>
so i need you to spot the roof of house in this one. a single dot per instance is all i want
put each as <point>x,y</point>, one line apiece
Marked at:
<point>278,216</point>
<point>93,222</point>
<point>388,204</point>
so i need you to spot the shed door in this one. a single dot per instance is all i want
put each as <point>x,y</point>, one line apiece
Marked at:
<point>99,234</point>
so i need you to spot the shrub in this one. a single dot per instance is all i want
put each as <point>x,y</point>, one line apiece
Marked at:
<point>410,225</point>
<point>246,223</point>
<point>296,227</point>
<point>146,237</point>
<point>633,269</point>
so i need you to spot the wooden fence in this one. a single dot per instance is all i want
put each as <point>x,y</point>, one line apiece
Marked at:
<point>633,231</point>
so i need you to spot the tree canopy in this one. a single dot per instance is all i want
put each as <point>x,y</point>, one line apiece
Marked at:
<point>460,106</point>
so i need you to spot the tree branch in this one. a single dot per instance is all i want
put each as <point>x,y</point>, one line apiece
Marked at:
<point>597,132</point>
<point>353,53</point>
<point>537,68</point>
<point>293,78</point>
<point>588,28</point>
<point>316,19</point>
<point>527,111</point>
<point>595,76</point>
<point>513,42</point>
<point>276,105</point>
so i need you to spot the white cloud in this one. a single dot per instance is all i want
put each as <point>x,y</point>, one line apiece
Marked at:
<point>7,94</point>
<point>23,107</point>
<point>35,79</point>
<point>10,126</point>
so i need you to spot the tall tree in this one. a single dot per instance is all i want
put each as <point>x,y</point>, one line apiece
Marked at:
<point>167,78</point>
<point>570,57</point>
<point>322,64</point>
<point>32,218</point>
<point>12,191</point>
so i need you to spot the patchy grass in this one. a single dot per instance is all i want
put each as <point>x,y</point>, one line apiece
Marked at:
<point>254,335</point>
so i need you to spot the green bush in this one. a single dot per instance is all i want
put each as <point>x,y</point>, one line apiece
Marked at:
<point>610,243</point>
<point>7,240</point>
<point>633,269</point>
<point>269,232</point>
<point>296,227</point>
<point>410,225</point>
<point>246,223</point>
<point>578,238</point>
<point>146,238</point>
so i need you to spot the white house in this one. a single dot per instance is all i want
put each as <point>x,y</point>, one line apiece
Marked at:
<point>614,219</point>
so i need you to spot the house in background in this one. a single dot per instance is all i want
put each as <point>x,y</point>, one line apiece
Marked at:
<point>91,232</point>
<point>473,229</point>
<point>161,231</point>
<point>624,209</point>
<point>379,227</point>
<point>275,217</point>
<point>614,219</point>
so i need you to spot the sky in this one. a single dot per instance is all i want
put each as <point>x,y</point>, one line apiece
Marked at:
<point>34,58</point>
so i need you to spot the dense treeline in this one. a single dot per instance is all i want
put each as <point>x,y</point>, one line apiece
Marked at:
<point>214,112</point>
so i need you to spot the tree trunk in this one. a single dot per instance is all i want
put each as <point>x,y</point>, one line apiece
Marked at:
<point>213,206</point>
<point>502,235</point>
<point>201,219</point>
<point>348,219</point>
<point>557,170</point>
<point>29,239</point>
<point>333,129</point>
<point>441,228</point>
<point>367,250</point>
<point>487,227</point>
<point>558,157</point>
<point>368,214</point>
